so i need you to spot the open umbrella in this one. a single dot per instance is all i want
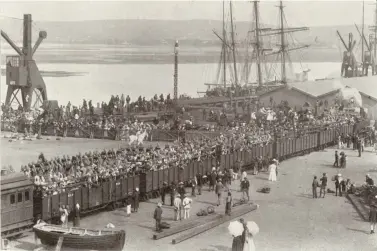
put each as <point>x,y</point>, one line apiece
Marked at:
<point>235,228</point>
<point>253,227</point>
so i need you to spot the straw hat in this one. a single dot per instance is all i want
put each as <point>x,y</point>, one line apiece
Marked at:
<point>159,204</point>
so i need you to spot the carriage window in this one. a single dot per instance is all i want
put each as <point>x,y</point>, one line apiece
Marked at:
<point>12,199</point>
<point>19,197</point>
<point>26,195</point>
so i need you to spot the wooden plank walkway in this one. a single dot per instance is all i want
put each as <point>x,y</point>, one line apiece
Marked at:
<point>237,212</point>
<point>361,209</point>
<point>186,226</point>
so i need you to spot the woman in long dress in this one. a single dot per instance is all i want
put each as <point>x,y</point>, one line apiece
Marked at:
<point>272,170</point>
<point>238,243</point>
<point>249,241</point>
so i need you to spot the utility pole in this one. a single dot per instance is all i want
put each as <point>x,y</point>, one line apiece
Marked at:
<point>176,72</point>
<point>282,48</point>
<point>257,44</point>
<point>224,45</point>
<point>233,45</point>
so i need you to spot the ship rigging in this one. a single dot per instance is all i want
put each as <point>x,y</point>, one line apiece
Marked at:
<point>256,50</point>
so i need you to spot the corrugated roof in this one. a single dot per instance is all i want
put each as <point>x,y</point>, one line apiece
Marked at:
<point>365,85</point>
<point>12,177</point>
<point>317,88</point>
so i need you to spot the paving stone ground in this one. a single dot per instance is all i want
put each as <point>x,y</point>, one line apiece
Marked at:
<point>289,218</point>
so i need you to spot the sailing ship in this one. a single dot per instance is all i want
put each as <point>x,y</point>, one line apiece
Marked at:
<point>238,84</point>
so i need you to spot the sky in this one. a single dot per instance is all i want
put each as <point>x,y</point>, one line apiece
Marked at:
<point>298,13</point>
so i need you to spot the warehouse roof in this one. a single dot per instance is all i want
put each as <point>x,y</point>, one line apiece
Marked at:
<point>365,85</point>
<point>313,89</point>
<point>317,88</point>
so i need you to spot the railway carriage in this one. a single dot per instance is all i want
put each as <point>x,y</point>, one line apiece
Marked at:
<point>16,204</point>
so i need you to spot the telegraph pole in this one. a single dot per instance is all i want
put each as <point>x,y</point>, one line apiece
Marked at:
<point>176,72</point>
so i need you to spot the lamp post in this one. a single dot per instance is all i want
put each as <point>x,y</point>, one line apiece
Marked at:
<point>176,48</point>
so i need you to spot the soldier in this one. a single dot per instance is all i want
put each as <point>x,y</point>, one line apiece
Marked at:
<point>163,191</point>
<point>136,199</point>
<point>315,184</point>
<point>193,186</point>
<point>76,221</point>
<point>172,193</point>
<point>359,146</point>
<point>177,207</point>
<point>323,185</point>
<point>158,216</point>
<point>337,185</point>
<point>245,185</point>
<point>199,180</point>
<point>219,189</point>
<point>336,162</point>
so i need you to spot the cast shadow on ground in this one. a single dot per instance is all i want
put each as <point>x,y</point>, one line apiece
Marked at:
<point>329,165</point>
<point>207,202</point>
<point>217,248</point>
<point>260,178</point>
<point>305,195</point>
<point>359,230</point>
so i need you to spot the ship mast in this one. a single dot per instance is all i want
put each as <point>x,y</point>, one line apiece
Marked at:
<point>283,47</point>
<point>233,45</point>
<point>224,46</point>
<point>257,44</point>
<point>362,38</point>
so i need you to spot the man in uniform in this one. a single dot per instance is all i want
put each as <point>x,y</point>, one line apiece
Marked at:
<point>323,185</point>
<point>163,191</point>
<point>172,193</point>
<point>199,180</point>
<point>158,216</point>
<point>177,207</point>
<point>219,189</point>
<point>315,184</point>
<point>359,146</point>
<point>336,163</point>
<point>245,185</point>
<point>136,199</point>
<point>76,221</point>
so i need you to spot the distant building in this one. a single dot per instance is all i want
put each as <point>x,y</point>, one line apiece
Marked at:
<point>299,93</point>
<point>367,87</point>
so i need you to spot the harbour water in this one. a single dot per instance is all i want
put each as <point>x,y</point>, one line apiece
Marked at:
<point>99,81</point>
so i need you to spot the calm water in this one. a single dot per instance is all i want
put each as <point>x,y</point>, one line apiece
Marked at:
<point>101,81</point>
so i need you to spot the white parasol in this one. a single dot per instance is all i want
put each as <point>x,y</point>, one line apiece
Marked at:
<point>253,227</point>
<point>235,228</point>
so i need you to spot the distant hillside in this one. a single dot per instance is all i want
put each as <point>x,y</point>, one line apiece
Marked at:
<point>155,32</point>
